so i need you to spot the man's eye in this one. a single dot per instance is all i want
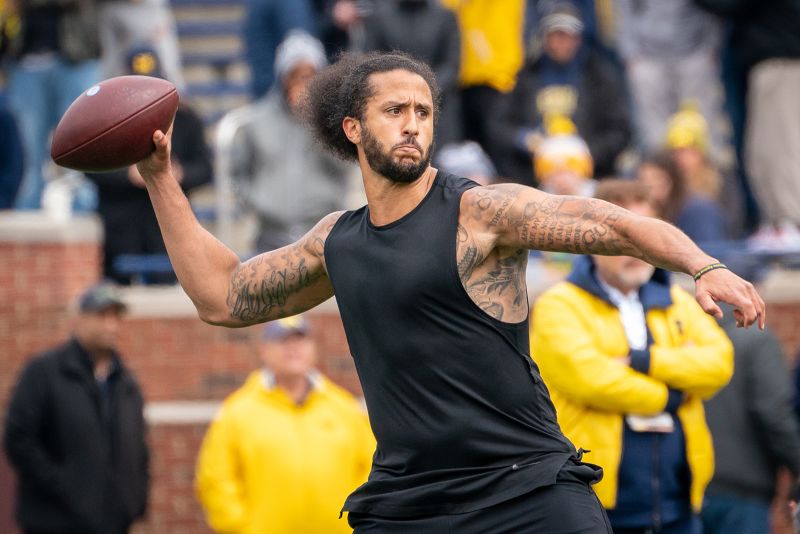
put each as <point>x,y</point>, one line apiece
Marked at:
<point>393,111</point>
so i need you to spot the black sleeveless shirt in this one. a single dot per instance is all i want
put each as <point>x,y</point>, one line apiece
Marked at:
<point>458,408</point>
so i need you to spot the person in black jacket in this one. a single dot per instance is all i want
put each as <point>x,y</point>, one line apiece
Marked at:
<point>75,431</point>
<point>129,223</point>
<point>566,80</point>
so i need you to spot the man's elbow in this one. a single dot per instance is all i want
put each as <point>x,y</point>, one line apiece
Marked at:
<point>216,317</point>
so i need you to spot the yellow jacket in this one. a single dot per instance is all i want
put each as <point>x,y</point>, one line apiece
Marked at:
<point>578,341</point>
<point>269,466</point>
<point>491,41</point>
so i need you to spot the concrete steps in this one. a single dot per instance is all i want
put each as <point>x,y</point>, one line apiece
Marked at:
<point>217,78</point>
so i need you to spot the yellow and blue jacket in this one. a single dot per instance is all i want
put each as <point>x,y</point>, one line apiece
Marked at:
<point>270,466</point>
<point>579,343</point>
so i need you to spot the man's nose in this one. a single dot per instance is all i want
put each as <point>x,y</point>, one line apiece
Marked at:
<point>411,125</point>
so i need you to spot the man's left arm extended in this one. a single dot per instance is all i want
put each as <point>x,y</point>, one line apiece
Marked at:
<point>519,216</point>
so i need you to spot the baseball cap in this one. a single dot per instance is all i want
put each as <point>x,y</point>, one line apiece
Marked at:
<point>100,296</point>
<point>282,328</point>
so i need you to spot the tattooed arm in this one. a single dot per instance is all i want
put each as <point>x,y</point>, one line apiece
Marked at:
<point>516,216</point>
<point>224,291</point>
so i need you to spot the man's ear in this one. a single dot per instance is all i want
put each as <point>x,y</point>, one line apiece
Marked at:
<point>352,129</point>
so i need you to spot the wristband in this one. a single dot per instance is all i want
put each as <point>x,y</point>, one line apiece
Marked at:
<point>707,268</point>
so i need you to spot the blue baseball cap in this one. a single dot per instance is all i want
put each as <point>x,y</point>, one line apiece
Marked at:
<point>283,328</point>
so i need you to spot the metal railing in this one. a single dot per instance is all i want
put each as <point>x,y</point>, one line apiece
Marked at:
<point>226,203</point>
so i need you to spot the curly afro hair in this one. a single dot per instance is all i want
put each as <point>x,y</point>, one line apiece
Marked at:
<point>343,89</point>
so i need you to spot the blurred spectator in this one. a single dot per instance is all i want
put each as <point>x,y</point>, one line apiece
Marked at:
<point>755,434</point>
<point>428,32</point>
<point>698,216</point>
<point>287,447</point>
<point>671,54</point>
<point>129,222</point>
<point>128,23</point>
<point>767,42</point>
<point>75,431</point>
<point>11,156</point>
<point>567,81</point>
<point>266,24</point>
<point>598,25</point>
<point>628,358</point>
<point>279,171</point>
<point>491,55</point>
<point>340,24</point>
<point>687,140</point>
<point>52,56</point>
<point>466,159</point>
<point>562,163</point>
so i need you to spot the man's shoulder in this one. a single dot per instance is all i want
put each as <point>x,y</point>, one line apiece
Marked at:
<point>52,356</point>
<point>44,365</point>
<point>449,180</point>
<point>325,226</point>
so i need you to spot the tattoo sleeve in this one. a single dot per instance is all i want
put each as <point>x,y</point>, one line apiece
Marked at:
<point>572,224</point>
<point>283,282</point>
<point>534,220</point>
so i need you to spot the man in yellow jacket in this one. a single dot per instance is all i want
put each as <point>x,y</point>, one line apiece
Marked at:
<point>628,359</point>
<point>286,448</point>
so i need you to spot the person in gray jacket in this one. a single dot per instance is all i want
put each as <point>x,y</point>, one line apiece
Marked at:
<point>755,434</point>
<point>277,170</point>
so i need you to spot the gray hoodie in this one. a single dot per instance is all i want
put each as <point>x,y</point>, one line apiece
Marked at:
<point>283,175</point>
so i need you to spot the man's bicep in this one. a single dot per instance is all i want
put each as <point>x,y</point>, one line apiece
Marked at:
<point>282,282</point>
<point>529,218</point>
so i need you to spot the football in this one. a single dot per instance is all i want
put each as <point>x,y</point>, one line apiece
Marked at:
<point>111,124</point>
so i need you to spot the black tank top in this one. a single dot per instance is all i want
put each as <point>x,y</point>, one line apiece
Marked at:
<point>458,408</point>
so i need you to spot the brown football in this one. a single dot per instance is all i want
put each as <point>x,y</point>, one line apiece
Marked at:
<point>111,124</point>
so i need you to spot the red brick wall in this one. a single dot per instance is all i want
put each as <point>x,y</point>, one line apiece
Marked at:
<point>172,507</point>
<point>186,359</point>
<point>37,282</point>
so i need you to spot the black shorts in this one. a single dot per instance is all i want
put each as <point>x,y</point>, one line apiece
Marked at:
<point>568,506</point>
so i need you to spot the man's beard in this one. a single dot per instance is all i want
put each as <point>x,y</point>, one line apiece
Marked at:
<point>381,161</point>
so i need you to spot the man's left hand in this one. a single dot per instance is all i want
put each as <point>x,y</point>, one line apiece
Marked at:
<point>721,285</point>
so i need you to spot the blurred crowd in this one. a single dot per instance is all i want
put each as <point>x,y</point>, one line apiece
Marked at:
<point>685,109</point>
<point>695,98</point>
